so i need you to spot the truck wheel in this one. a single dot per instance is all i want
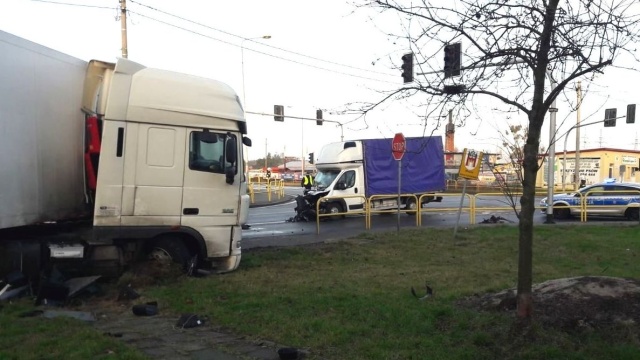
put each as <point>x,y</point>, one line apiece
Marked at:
<point>561,212</point>
<point>412,206</point>
<point>632,214</point>
<point>334,208</point>
<point>170,249</point>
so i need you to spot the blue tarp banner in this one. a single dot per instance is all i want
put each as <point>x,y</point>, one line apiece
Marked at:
<point>422,166</point>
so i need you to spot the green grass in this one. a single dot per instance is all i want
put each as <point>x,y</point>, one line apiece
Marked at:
<point>352,299</point>
<point>59,338</point>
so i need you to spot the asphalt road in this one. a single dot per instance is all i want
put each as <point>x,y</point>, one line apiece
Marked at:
<point>269,225</point>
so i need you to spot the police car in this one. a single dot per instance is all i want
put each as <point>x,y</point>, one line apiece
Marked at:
<point>609,198</point>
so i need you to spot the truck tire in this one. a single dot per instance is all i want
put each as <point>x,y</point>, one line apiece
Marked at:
<point>170,249</point>
<point>633,214</point>
<point>334,208</point>
<point>411,206</point>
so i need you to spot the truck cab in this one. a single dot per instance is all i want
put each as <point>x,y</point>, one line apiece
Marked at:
<point>170,163</point>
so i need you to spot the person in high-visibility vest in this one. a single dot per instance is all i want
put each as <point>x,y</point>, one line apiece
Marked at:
<point>307,181</point>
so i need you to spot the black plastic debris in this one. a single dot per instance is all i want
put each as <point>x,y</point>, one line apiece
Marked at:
<point>288,353</point>
<point>428,294</point>
<point>148,309</point>
<point>127,293</point>
<point>187,321</point>
<point>115,335</point>
<point>52,293</point>
<point>81,285</point>
<point>9,292</point>
<point>14,285</point>
<point>495,220</point>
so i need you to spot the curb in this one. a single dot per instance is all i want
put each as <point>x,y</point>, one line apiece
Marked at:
<point>264,202</point>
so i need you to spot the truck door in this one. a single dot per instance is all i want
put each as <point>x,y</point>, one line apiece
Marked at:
<point>152,180</point>
<point>208,200</point>
<point>347,185</point>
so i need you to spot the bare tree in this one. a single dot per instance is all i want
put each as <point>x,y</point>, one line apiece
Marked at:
<point>510,50</point>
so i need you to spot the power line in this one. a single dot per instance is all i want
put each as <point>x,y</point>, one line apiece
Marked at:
<point>73,4</point>
<point>256,51</point>
<point>267,45</point>
<point>227,42</point>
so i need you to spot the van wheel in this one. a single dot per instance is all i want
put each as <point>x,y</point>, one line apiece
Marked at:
<point>411,206</point>
<point>632,214</point>
<point>334,208</point>
<point>171,249</point>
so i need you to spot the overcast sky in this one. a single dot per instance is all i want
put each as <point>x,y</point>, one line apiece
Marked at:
<point>321,55</point>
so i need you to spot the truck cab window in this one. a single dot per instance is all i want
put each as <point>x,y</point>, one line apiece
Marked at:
<point>348,179</point>
<point>206,152</point>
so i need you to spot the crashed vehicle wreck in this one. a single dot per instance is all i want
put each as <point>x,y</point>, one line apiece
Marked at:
<point>306,206</point>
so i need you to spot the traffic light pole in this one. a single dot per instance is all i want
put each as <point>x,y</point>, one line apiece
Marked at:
<point>302,118</point>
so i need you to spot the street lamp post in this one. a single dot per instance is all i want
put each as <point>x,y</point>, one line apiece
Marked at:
<point>552,154</point>
<point>244,99</point>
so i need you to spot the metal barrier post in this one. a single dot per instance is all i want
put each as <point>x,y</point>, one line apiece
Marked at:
<point>269,190</point>
<point>327,198</point>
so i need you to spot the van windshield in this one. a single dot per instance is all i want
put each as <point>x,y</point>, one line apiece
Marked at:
<point>324,178</point>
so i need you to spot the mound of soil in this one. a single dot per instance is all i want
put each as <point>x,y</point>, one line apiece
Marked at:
<point>573,303</point>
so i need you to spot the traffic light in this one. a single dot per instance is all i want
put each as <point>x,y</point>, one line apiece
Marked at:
<point>452,60</point>
<point>278,110</point>
<point>610,117</point>
<point>310,158</point>
<point>407,67</point>
<point>318,117</point>
<point>631,113</point>
<point>268,173</point>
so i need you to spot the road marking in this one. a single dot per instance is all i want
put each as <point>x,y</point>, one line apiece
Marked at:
<point>264,223</point>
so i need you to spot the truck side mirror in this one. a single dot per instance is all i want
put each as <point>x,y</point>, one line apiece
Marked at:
<point>230,174</point>
<point>230,150</point>
<point>341,186</point>
<point>246,141</point>
<point>231,156</point>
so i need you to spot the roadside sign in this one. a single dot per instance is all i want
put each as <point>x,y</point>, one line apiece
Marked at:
<point>398,146</point>
<point>470,164</point>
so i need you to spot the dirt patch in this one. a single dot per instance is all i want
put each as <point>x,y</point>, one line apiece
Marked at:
<point>588,302</point>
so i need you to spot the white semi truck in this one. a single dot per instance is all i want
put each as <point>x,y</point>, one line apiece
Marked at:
<point>108,163</point>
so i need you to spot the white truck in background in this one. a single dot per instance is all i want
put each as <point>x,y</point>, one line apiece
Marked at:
<point>103,164</point>
<point>366,167</point>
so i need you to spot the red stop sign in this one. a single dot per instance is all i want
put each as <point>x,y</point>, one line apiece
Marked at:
<point>398,146</point>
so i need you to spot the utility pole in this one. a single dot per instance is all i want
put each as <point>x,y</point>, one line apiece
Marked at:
<point>552,152</point>
<point>576,166</point>
<point>123,25</point>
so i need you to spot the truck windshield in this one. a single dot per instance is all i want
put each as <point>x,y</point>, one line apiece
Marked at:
<point>324,178</point>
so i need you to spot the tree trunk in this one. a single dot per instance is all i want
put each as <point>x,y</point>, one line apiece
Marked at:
<point>525,240</point>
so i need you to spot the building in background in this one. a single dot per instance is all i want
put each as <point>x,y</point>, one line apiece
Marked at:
<point>596,165</point>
